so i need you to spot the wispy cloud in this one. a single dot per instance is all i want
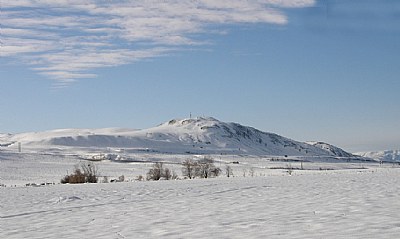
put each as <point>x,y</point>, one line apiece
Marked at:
<point>66,40</point>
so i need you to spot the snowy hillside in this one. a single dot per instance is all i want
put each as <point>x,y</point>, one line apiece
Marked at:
<point>186,136</point>
<point>331,149</point>
<point>385,156</point>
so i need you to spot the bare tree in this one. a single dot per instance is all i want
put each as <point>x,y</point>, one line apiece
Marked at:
<point>189,168</point>
<point>215,171</point>
<point>155,172</point>
<point>158,172</point>
<point>203,169</point>
<point>166,174</point>
<point>206,168</point>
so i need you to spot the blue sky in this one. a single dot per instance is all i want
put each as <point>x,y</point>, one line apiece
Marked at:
<point>309,70</point>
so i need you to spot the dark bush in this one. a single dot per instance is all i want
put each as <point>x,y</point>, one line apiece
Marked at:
<point>83,173</point>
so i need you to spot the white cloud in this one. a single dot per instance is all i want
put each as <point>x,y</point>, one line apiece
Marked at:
<point>66,40</point>
<point>11,46</point>
<point>290,3</point>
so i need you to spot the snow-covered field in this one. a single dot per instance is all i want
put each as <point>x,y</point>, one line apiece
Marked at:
<point>353,199</point>
<point>328,204</point>
<point>280,188</point>
<point>19,169</point>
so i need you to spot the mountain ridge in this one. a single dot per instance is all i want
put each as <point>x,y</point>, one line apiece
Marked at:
<point>202,135</point>
<point>384,156</point>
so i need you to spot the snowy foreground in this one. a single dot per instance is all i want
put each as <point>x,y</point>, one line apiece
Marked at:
<point>352,203</point>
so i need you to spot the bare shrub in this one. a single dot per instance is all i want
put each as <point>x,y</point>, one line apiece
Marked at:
<point>83,173</point>
<point>76,177</point>
<point>167,174</point>
<point>158,172</point>
<point>155,172</point>
<point>90,171</point>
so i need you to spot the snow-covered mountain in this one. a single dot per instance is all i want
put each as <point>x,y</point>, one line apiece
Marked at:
<point>331,149</point>
<point>385,156</point>
<point>190,136</point>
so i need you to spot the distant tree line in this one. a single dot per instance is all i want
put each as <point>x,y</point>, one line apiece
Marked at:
<point>204,168</point>
<point>87,172</point>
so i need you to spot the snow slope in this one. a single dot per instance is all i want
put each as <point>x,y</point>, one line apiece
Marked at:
<point>331,149</point>
<point>186,136</point>
<point>385,156</point>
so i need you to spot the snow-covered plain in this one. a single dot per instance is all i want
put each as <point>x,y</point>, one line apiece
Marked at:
<point>356,199</point>
<point>318,204</point>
